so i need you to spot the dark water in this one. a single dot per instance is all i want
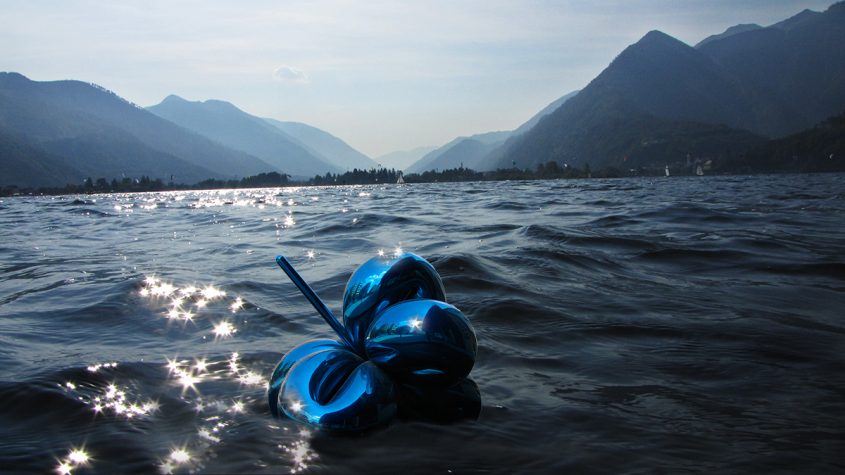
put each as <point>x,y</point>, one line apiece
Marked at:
<point>638,325</point>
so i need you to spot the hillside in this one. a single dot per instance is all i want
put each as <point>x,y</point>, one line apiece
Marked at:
<point>24,164</point>
<point>85,117</point>
<point>766,81</point>
<point>480,151</point>
<point>534,120</point>
<point>324,145</point>
<point>793,70</point>
<point>468,152</point>
<point>819,149</point>
<point>226,124</point>
<point>734,30</point>
<point>649,88</point>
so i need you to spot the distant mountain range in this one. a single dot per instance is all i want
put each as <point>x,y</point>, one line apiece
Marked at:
<point>732,99</point>
<point>402,159</point>
<point>230,126</point>
<point>475,151</point>
<point>62,131</point>
<point>295,148</point>
<point>462,151</point>
<point>325,145</point>
<point>59,132</point>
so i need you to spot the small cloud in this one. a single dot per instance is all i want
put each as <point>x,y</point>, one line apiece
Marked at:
<point>290,75</point>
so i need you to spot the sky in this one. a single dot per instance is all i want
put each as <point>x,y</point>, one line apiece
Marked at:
<point>381,75</point>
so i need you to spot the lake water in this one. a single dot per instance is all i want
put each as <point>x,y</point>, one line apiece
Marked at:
<point>631,325</point>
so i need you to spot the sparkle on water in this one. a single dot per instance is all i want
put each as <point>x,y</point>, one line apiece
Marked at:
<point>78,456</point>
<point>224,329</point>
<point>180,456</point>
<point>237,305</point>
<point>118,401</point>
<point>198,305</point>
<point>64,468</point>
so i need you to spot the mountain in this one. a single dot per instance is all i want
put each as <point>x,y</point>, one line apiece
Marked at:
<point>24,164</point>
<point>226,124</point>
<point>93,131</point>
<point>324,145</point>
<point>792,71</point>
<point>657,81</point>
<point>800,19</point>
<point>734,30</point>
<point>729,93</point>
<point>479,151</point>
<point>530,123</point>
<point>468,152</point>
<point>819,149</point>
<point>402,159</point>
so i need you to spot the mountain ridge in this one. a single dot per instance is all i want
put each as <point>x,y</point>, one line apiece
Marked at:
<point>764,81</point>
<point>324,145</point>
<point>479,151</point>
<point>225,123</point>
<point>41,112</point>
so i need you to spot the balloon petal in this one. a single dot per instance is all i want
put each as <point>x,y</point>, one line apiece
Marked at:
<point>422,342</point>
<point>291,358</point>
<point>365,398</point>
<point>379,283</point>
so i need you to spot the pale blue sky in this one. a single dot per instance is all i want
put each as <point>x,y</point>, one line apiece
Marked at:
<point>381,75</point>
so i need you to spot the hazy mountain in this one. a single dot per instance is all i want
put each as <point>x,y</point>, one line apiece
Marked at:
<point>770,81</point>
<point>480,152</point>
<point>118,154</point>
<point>24,164</point>
<point>92,130</point>
<point>224,123</point>
<point>403,158</point>
<point>734,30</point>
<point>324,145</point>
<point>468,152</point>
<point>493,158</point>
<point>543,112</point>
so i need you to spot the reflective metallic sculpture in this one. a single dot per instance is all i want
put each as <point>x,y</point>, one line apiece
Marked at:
<point>401,348</point>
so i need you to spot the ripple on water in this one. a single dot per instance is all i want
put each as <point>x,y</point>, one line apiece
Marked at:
<point>623,325</point>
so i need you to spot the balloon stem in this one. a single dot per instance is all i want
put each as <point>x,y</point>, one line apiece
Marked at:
<point>312,297</point>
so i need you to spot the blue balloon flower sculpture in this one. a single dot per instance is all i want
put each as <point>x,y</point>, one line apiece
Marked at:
<point>401,348</point>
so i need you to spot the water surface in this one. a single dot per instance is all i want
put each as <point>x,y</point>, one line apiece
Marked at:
<point>633,325</point>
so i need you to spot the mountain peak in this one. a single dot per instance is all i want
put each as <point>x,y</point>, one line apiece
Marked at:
<point>657,40</point>
<point>654,46</point>
<point>173,98</point>
<point>11,77</point>
<point>655,36</point>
